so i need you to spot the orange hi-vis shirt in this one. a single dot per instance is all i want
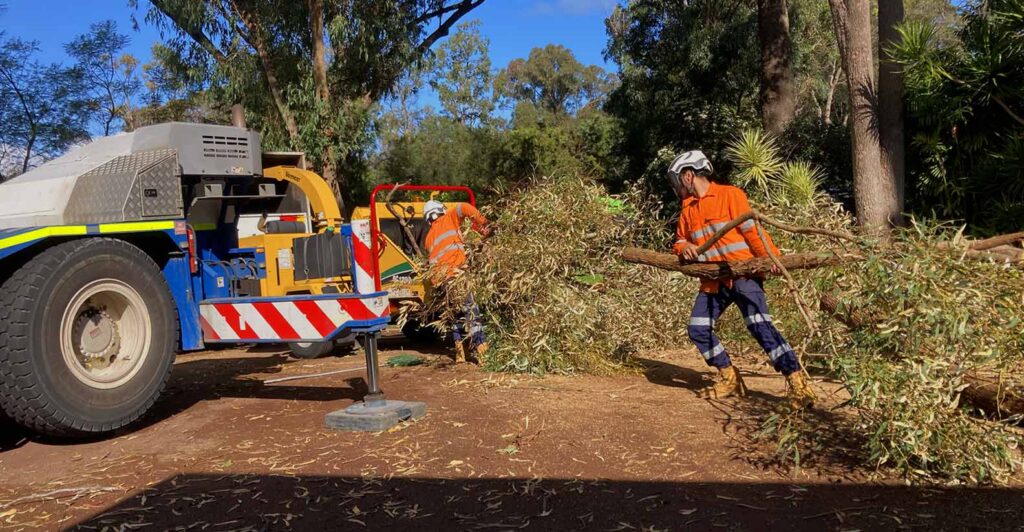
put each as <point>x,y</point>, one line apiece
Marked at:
<point>445,247</point>
<point>702,217</point>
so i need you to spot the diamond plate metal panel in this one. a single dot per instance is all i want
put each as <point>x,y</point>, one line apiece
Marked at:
<point>161,189</point>
<point>111,192</point>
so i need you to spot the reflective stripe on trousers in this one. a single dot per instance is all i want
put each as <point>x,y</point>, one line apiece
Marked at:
<point>749,296</point>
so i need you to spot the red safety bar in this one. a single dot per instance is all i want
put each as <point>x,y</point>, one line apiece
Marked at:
<point>373,212</point>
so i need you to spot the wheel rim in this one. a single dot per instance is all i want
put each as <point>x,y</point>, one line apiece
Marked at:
<point>105,334</point>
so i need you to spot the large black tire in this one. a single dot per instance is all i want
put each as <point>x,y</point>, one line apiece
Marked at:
<point>420,334</point>
<point>40,386</point>
<point>312,350</point>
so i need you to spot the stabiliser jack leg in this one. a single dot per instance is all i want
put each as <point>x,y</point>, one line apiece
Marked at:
<point>375,413</point>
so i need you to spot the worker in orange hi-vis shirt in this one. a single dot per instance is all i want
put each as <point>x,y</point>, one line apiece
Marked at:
<point>708,206</point>
<point>447,255</point>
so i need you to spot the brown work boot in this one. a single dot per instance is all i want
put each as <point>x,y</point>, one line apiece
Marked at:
<point>729,383</point>
<point>480,351</point>
<point>460,353</point>
<point>800,395</point>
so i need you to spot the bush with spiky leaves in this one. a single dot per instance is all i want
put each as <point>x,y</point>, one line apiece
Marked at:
<point>755,155</point>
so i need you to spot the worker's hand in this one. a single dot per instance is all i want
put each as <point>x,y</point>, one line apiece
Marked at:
<point>486,231</point>
<point>775,269</point>
<point>690,252</point>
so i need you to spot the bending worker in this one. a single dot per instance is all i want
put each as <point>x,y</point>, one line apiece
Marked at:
<point>447,255</point>
<point>708,206</point>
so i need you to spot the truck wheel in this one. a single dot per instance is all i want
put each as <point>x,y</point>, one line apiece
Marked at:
<point>88,334</point>
<point>310,350</point>
<point>421,334</point>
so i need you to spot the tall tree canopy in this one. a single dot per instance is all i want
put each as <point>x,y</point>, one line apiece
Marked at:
<point>306,72</point>
<point>108,74</point>
<point>461,75</point>
<point>552,81</point>
<point>43,110</point>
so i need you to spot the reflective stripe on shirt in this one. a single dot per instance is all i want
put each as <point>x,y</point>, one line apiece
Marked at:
<point>717,252</point>
<point>440,238</point>
<point>706,231</point>
<point>445,250</point>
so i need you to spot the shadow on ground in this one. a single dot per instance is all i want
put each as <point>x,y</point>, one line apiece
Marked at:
<point>813,437</point>
<point>210,379</point>
<point>328,502</point>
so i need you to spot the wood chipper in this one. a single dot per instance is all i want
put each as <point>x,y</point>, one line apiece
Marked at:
<point>126,250</point>
<point>398,234</point>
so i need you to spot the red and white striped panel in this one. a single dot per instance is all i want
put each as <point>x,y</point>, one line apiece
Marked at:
<point>363,272</point>
<point>288,320</point>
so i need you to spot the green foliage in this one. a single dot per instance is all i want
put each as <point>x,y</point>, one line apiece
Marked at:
<point>43,108</point>
<point>462,76</point>
<point>554,300</point>
<point>936,317</point>
<point>108,75</point>
<point>487,154</point>
<point>263,55</point>
<point>755,155</point>
<point>553,81</point>
<point>759,167</point>
<point>688,75</point>
<point>965,98</point>
<point>801,183</point>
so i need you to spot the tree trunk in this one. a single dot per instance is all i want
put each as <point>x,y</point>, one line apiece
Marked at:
<point>778,97</point>
<point>740,268</point>
<point>316,30</point>
<point>255,39</point>
<point>833,81</point>
<point>875,197</point>
<point>890,98</point>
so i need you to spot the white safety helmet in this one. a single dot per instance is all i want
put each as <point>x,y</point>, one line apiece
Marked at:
<point>694,160</point>
<point>433,210</point>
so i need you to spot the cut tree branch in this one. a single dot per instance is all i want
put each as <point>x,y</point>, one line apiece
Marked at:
<point>985,391</point>
<point>402,221</point>
<point>740,268</point>
<point>754,214</point>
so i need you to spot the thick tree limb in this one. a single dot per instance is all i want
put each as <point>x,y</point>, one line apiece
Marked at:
<point>255,39</point>
<point>995,241</point>
<point>191,30</point>
<point>741,268</point>
<point>463,7</point>
<point>316,33</point>
<point>986,392</point>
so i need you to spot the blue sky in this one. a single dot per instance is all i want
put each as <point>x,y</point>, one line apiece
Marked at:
<point>514,27</point>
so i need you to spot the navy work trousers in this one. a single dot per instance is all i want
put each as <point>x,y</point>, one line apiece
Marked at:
<point>748,295</point>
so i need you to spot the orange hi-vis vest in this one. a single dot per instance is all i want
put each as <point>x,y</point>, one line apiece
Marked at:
<point>445,247</point>
<point>702,217</point>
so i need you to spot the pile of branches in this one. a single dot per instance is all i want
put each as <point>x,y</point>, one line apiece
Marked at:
<point>555,296</point>
<point>925,329</point>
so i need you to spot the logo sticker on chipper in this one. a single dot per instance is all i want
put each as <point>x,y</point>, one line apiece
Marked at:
<point>284,259</point>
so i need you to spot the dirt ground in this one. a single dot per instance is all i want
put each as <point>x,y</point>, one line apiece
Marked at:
<point>226,450</point>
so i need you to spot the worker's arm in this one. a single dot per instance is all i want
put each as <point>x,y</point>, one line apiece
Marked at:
<point>682,244</point>
<point>465,210</point>
<point>738,206</point>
